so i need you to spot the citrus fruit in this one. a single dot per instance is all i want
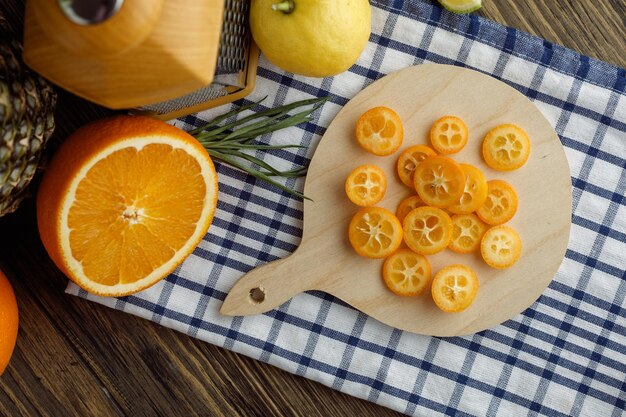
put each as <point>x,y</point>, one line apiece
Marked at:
<point>506,147</point>
<point>439,181</point>
<point>501,247</point>
<point>366,185</point>
<point>501,203</point>
<point>467,231</point>
<point>124,201</point>
<point>461,6</point>
<point>454,288</point>
<point>406,273</point>
<point>316,38</point>
<point>8,322</point>
<point>427,230</point>
<point>375,232</point>
<point>408,161</point>
<point>380,131</point>
<point>407,205</point>
<point>474,193</point>
<point>448,135</point>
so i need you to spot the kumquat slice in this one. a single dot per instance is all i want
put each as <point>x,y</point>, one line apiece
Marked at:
<point>375,232</point>
<point>439,181</point>
<point>427,230</point>
<point>408,161</point>
<point>454,288</point>
<point>506,147</point>
<point>406,273</point>
<point>500,205</point>
<point>467,232</point>
<point>449,135</point>
<point>380,131</point>
<point>366,185</point>
<point>501,247</point>
<point>407,205</point>
<point>474,193</point>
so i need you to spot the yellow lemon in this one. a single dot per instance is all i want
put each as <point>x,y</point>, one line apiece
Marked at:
<point>316,38</point>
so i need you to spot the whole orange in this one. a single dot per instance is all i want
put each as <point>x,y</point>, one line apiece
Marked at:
<point>8,322</point>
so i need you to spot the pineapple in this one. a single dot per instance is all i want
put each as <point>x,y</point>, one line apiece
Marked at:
<point>27,105</point>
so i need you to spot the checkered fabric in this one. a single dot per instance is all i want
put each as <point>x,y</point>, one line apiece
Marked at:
<point>563,356</point>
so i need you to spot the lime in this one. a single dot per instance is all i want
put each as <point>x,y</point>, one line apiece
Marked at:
<point>461,6</point>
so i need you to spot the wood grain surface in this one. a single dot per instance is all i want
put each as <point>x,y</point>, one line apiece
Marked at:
<point>76,358</point>
<point>420,95</point>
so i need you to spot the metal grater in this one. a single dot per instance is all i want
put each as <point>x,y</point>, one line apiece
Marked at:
<point>234,74</point>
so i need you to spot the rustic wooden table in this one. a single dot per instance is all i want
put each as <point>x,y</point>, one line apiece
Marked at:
<point>76,358</point>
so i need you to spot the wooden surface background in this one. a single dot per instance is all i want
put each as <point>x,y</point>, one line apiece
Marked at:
<point>77,358</point>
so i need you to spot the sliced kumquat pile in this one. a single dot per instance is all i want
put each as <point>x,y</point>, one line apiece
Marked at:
<point>444,188</point>
<point>408,161</point>
<point>407,205</point>
<point>449,135</point>
<point>467,232</point>
<point>474,193</point>
<point>375,232</point>
<point>366,185</point>
<point>439,181</point>
<point>380,131</point>
<point>506,147</point>
<point>427,230</point>
<point>501,247</point>
<point>500,205</point>
<point>406,273</point>
<point>454,288</point>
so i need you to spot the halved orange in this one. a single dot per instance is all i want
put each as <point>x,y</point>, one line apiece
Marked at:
<point>467,231</point>
<point>406,273</point>
<point>506,147</point>
<point>375,232</point>
<point>366,185</point>
<point>501,203</point>
<point>448,135</point>
<point>427,230</point>
<point>501,247</point>
<point>407,205</point>
<point>380,131</point>
<point>474,193</point>
<point>124,201</point>
<point>408,161</point>
<point>439,181</point>
<point>454,288</point>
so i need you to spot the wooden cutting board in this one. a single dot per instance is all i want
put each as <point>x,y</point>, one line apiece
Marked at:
<point>326,261</point>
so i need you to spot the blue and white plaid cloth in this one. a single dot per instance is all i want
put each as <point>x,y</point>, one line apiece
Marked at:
<point>563,356</point>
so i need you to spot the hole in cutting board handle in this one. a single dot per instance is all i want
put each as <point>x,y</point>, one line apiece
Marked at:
<point>257,295</point>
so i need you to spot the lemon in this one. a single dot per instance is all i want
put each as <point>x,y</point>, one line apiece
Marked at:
<point>316,38</point>
<point>461,6</point>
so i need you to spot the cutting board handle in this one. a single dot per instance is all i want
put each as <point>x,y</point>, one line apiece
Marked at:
<point>264,288</point>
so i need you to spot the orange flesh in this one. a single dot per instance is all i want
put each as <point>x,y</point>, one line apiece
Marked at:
<point>131,213</point>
